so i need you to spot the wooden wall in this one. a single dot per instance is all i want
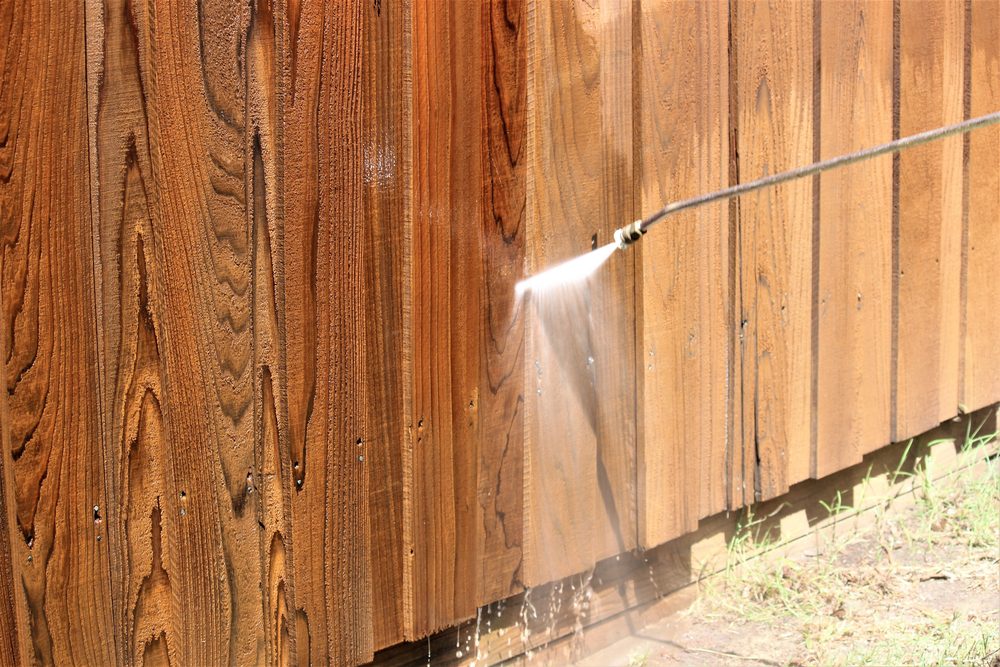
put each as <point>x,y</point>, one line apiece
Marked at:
<point>269,395</point>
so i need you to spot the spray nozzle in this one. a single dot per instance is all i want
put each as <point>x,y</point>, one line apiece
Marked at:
<point>629,234</point>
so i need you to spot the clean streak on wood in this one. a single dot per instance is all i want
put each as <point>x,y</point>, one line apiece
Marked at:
<point>273,481</point>
<point>982,307</point>
<point>775,132</point>
<point>682,126</point>
<point>855,242</point>
<point>57,507</point>
<point>929,221</point>
<point>501,398</point>
<point>445,534</point>
<point>175,244</point>
<point>325,319</point>
<point>387,230</point>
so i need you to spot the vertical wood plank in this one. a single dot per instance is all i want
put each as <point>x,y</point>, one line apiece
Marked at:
<point>273,481</point>
<point>929,218</point>
<point>775,132</point>
<point>12,609</point>
<point>322,198</point>
<point>981,384</point>
<point>683,274</point>
<point>501,397</point>
<point>136,403</point>
<point>175,241</point>
<point>613,309</point>
<point>387,232</point>
<point>580,411</point>
<point>855,236</point>
<point>443,538</point>
<point>53,450</point>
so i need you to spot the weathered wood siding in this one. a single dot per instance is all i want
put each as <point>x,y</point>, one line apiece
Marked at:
<point>268,393</point>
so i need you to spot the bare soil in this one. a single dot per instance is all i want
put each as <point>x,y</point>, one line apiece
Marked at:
<point>922,587</point>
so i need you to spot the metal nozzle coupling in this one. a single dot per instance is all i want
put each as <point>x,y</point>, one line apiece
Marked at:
<point>629,234</point>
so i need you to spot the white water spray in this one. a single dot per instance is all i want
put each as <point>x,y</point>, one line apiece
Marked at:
<point>567,273</point>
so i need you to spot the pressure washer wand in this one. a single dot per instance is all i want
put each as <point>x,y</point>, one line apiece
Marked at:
<point>632,232</point>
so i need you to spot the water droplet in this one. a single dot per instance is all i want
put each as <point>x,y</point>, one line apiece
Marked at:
<point>458,653</point>
<point>361,458</point>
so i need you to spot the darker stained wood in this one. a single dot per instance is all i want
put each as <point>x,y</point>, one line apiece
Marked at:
<point>175,241</point>
<point>441,463</point>
<point>321,132</point>
<point>386,135</point>
<point>501,396</point>
<point>273,480</point>
<point>55,543</point>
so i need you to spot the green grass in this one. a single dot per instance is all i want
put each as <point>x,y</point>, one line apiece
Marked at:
<point>852,603</point>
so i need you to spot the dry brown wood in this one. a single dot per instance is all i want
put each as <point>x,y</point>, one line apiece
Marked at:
<point>854,301</point>
<point>57,510</point>
<point>981,314</point>
<point>774,74</point>
<point>684,331</point>
<point>273,480</point>
<point>928,224</point>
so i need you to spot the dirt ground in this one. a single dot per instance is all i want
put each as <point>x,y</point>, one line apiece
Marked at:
<point>920,586</point>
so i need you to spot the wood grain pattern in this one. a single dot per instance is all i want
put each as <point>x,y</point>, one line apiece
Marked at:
<point>443,539</point>
<point>11,617</point>
<point>175,238</point>
<point>57,510</point>
<point>775,132</point>
<point>322,194</point>
<point>855,236</point>
<point>273,482</point>
<point>929,219</point>
<point>981,378</point>
<point>579,461</point>
<point>269,393</point>
<point>684,365</point>
<point>387,234</point>
<point>504,219</point>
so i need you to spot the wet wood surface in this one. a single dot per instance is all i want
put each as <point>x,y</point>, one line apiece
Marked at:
<point>270,396</point>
